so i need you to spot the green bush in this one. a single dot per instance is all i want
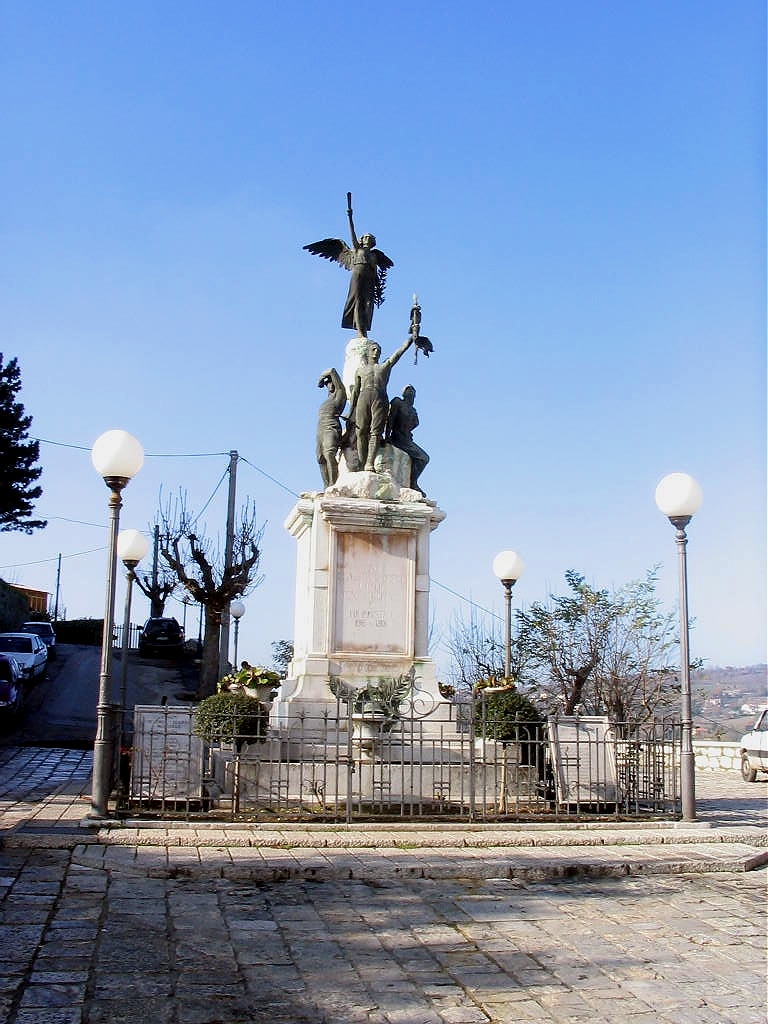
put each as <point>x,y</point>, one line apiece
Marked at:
<point>231,718</point>
<point>508,715</point>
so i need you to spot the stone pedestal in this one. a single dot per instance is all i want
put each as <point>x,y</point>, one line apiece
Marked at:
<point>362,590</point>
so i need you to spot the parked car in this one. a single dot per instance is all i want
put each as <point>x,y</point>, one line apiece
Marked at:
<point>45,631</point>
<point>28,651</point>
<point>10,686</point>
<point>161,637</point>
<point>754,748</point>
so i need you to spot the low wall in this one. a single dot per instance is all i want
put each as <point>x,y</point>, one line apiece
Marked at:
<point>716,755</point>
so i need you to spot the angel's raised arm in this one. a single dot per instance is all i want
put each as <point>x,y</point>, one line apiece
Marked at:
<point>353,236</point>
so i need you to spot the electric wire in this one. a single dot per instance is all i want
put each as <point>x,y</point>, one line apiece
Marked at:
<point>257,469</point>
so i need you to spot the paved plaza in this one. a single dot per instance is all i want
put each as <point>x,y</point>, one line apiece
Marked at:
<point>84,944</point>
<point>396,925</point>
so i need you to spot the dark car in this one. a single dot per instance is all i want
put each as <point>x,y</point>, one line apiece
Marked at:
<point>10,686</point>
<point>45,631</point>
<point>161,637</point>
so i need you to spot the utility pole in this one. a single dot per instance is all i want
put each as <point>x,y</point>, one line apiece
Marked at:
<point>154,560</point>
<point>228,548</point>
<point>58,583</point>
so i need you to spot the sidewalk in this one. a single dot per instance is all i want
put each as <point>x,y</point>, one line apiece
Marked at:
<point>398,924</point>
<point>44,801</point>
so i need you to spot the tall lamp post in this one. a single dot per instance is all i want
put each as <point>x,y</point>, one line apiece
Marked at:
<point>678,496</point>
<point>508,567</point>
<point>118,457</point>
<point>237,608</point>
<point>132,546</point>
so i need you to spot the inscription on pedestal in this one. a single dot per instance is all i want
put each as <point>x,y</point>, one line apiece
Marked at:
<point>372,599</point>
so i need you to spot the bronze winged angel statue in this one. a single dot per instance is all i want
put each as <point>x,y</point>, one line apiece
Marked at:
<point>368,266</point>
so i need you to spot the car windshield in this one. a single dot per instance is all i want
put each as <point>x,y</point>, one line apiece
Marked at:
<point>16,644</point>
<point>38,628</point>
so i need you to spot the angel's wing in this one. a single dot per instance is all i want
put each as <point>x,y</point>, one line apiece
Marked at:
<point>331,249</point>
<point>383,263</point>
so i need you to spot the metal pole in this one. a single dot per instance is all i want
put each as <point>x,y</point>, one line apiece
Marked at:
<point>155,553</point>
<point>228,546</point>
<point>130,576</point>
<point>102,746</point>
<point>508,584</point>
<point>237,628</point>
<point>687,757</point>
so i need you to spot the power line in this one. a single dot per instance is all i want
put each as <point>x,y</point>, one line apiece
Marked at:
<point>274,481</point>
<point>78,522</point>
<point>148,455</point>
<point>177,455</point>
<point>461,597</point>
<point>42,561</point>
<point>258,469</point>
<point>213,495</point>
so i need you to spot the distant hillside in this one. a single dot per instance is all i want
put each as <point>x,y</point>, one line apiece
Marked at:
<point>748,679</point>
<point>726,700</point>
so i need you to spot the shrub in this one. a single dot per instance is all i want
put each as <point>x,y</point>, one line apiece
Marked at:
<point>231,718</point>
<point>509,715</point>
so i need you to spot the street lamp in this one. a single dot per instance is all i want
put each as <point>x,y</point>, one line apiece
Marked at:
<point>131,548</point>
<point>508,567</point>
<point>678,496</point>
<point>118,457</point>
<point>237,608</point>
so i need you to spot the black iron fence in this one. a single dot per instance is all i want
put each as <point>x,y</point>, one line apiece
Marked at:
<point>134,632</point>
<point>348,765</point>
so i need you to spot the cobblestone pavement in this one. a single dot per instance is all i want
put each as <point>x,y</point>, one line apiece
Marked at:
<point>90,945</point>
<point>146,925</point>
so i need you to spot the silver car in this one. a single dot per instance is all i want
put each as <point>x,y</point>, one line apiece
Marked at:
<point>29,652</point>
<point>754,748</point>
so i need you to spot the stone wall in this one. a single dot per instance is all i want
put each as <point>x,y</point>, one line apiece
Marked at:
<point>714,755</point>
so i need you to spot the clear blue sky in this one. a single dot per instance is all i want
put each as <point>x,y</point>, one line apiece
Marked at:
<point>576,191</point>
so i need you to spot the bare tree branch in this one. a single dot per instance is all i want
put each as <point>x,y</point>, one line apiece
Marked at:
<point>197,563</point>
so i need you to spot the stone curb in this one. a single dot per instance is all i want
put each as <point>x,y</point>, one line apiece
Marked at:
<point>325,854</point>
<point>318,865</point>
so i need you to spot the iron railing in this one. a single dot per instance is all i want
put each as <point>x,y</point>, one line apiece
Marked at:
<point>134,632</point>
<point>353,766</point>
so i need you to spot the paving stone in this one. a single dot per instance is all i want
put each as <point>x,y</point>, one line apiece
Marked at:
<point>174,926</point>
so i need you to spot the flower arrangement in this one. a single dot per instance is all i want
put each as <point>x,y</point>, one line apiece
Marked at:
<point>253,681</point>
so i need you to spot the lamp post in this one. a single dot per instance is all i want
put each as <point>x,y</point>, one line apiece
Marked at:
<point>678,496</point>
<point>237,608</point>
<point>118,457</point>
<point>508,567</point>
<point>132,546</point>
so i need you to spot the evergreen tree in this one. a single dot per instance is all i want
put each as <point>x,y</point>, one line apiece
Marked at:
<point>18,456</point>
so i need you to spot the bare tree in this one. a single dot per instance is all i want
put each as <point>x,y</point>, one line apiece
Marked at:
<point>200,567</point>
<point>476,645</point>
<point>162,582</point>
<point>157,588</point>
